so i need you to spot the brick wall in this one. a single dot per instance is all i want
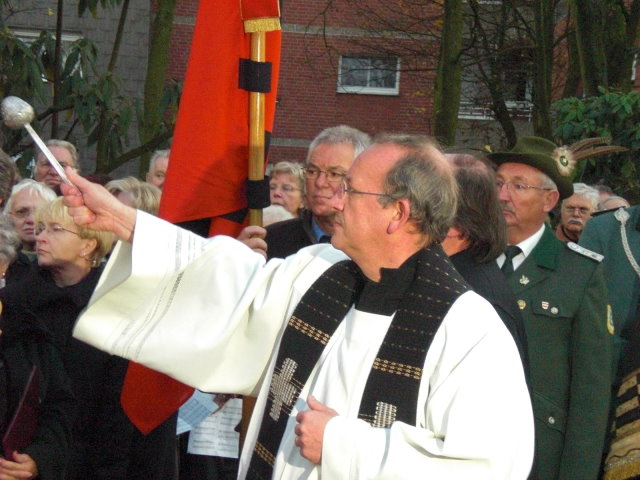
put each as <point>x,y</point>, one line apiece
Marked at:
<point>307,97</point>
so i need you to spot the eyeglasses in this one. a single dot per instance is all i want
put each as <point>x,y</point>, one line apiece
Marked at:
<point>584,211</point>
<point>52,229</point>
<point>285,188</point>
<point>45,163</point>
<point>517,187</point>
<point>23,212</point>
<point>343,189</point>
<point>313,172</point>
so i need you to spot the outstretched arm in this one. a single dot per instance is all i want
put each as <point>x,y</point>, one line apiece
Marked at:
<point>92,206</point>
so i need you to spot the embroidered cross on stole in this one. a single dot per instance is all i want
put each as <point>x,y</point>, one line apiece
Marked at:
<point>391,391</point>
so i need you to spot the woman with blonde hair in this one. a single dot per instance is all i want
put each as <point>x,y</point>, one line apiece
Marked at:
<point>135,193</point>
<point>286,186</point>
<point>70,260</point>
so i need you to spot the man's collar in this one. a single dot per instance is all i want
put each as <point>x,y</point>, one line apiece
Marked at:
<point>317,231</point>
<point>528,244</point>
<point>383,297</point>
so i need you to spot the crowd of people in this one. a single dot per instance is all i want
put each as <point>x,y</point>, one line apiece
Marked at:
<point>405,312</point>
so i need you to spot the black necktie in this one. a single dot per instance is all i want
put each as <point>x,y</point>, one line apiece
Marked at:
<point>509,253</point>
<point>325,239</point>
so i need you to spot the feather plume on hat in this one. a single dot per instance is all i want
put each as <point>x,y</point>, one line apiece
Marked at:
<point>558,162</point>
<point>567,157</point>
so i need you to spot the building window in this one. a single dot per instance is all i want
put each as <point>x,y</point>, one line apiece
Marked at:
<point>517,82</point>
<point>31,36</point>
<point>369,75</point>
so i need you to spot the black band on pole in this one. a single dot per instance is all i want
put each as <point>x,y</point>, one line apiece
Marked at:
<point>258,193</point>
<point>254,76</point>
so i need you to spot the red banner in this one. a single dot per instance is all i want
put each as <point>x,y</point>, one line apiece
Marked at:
<point>208,165</point>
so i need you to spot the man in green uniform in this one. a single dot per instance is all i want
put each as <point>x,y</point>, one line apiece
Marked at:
<point>561,293</point>
<point>616,235</point>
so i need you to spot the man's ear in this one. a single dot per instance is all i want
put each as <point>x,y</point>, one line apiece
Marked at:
<point>400,216</point>
<point>550,200</point>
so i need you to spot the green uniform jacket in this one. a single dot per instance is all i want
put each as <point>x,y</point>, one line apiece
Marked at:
<point>602,235</point>
<point>563,301</point>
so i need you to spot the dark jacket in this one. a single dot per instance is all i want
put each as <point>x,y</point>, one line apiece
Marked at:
<point>19,268</point>
<point>488,281</point>
<point>287,237</point>
<point>25,342</point>
<point>562,296</point>
<point>101,431</point>
<point>603,234</point>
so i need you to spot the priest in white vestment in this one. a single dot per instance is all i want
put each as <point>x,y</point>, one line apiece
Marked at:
<point>212,313</point>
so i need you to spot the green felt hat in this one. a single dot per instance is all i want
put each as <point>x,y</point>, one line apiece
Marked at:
<point>556,162</point>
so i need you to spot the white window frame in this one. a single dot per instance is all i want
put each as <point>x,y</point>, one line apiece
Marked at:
<point>30,36</point>
<point>364,89</point>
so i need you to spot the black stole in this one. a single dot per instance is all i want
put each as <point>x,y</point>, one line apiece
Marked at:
<point>391,391</point>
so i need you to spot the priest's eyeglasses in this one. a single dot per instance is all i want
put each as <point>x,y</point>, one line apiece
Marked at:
<point>344,189</point>
<point>517,187</point>
<point>333,176</point>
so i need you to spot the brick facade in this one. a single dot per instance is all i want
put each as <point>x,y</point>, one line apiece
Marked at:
<point>307,96</point>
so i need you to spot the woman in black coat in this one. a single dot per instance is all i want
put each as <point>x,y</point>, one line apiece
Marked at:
<point>24,343</point>
<point>68,270</point>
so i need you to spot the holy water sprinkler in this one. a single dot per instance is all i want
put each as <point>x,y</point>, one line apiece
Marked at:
<point>16,114</point>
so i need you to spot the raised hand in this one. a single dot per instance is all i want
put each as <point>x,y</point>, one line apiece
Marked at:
<point>92,206</point>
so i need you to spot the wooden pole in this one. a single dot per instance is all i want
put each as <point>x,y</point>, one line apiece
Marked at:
<point>256,125</point>
<point>256,172</point>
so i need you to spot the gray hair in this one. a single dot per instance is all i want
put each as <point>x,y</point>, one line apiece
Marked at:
<point>616,200</point>
<point>293,169</point>
<point>145,196</point>
<point>9,240</point>
<point>32,187</point>
<point>338,135</point>
<point>587,192</point>
<point>274,214</point>
<point>70,147</point>
<point>156,155</point>
<point>426,180</point>
<point>546,182</point>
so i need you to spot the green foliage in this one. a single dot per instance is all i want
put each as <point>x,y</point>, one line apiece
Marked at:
<point>20,68</point>
<point>92,6</point>
<point>91,100</point>
<point>611,114</point>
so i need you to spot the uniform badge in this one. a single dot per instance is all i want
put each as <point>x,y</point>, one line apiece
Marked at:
<point>545,305</point>
<point>583,251</point>
<point>610,326</point>
<point>554,310</point>
<point>524,280</point>
<point>522,304</point>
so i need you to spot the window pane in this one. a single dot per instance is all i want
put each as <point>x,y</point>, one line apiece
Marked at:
<point>383,73</point>
<point>369,75</point>
<point>354,72</point>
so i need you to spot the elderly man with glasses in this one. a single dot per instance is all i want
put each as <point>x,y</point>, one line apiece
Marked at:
<point>576,211</point>
<point>329,157</point>
<point>562,296</point>
<point>371,357</point>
